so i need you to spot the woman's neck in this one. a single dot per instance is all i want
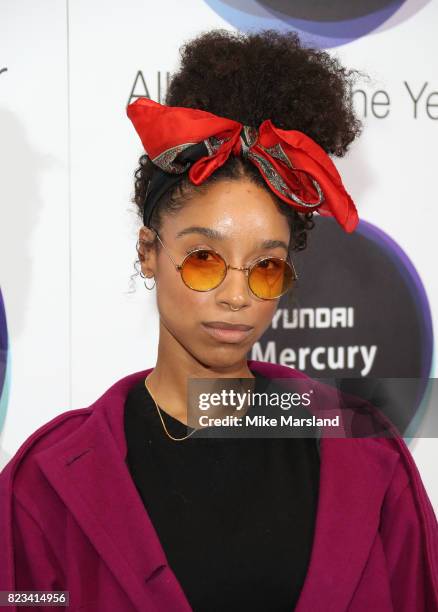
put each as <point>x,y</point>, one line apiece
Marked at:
<point>168,382</point>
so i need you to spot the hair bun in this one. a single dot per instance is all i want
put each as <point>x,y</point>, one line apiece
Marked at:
<point>268,75</point>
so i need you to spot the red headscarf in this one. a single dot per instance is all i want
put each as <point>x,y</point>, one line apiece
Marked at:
<point>293,165</point>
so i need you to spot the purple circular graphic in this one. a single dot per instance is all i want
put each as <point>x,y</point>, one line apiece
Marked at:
<point>321,24</point>
<point>4,346</point>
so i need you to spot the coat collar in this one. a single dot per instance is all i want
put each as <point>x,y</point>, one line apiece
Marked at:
<point>89,472</point>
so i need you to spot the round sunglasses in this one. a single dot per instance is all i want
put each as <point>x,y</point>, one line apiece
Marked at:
<point>203,269</point>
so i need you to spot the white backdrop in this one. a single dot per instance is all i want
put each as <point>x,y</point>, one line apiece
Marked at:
<point>67,157</point>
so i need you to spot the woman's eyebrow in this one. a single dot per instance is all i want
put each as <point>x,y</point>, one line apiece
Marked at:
<point>215,235</point>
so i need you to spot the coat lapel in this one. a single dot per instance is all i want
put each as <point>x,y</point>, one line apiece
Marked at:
<point>353,480</point>
<point>354,476</point>
<point>89,473</point>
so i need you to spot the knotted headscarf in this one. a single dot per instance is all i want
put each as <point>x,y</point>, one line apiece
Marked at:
<point>180,140</point>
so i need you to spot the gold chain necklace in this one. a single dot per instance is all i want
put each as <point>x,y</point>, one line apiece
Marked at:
<point>159,413</point>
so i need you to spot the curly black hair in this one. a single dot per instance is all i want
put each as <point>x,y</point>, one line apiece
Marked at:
<point>250,78</point>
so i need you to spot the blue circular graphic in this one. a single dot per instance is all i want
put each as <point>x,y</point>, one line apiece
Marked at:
<point>321,24</point>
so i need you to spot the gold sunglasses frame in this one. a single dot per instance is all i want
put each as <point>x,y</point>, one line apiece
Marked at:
<point>246,269</point>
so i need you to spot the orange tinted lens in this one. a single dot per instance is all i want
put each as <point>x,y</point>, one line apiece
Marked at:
<point>271,277</point>
<point>203,270</point>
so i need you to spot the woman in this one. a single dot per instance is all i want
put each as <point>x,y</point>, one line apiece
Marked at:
<point>119,503</point>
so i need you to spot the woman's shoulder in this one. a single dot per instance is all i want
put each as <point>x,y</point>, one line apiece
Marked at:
<point>22,466</point>
<point>68,423</point>
<point>379,452</point>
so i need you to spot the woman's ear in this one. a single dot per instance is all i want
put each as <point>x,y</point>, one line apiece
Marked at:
<point>146,250</point>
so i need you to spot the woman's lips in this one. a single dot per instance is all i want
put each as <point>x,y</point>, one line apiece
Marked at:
<point>225,334</point>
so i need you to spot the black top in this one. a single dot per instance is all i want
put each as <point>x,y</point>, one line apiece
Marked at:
<point>235,517</point>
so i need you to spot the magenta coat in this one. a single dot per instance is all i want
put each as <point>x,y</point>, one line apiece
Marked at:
<point>71,519</point>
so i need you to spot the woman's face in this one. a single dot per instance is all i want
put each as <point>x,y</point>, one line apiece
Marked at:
<point>242,215</point>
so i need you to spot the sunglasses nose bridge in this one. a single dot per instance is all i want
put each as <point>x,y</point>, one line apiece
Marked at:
<point>241,268</point>
<point>235,267</point>
<point>244,268</point>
